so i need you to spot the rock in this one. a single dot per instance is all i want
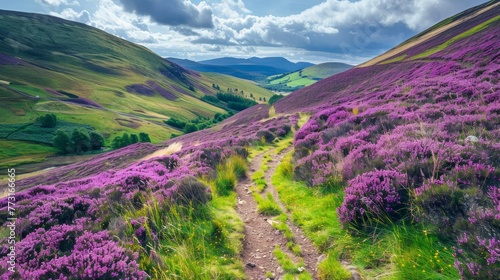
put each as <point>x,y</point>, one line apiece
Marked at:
<point>250,265</point>
<point>320,259</point>
<point>277,232</point>
<point>472,139</point>
<point>356,274</point>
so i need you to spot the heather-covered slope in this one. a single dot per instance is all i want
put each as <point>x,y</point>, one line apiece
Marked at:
<point>414,141</point>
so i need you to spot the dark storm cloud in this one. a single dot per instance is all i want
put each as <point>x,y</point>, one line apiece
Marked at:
<point>172,12</point>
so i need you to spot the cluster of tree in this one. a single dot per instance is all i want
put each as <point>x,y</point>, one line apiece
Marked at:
<point>126,139</point>
<point>198,123</point>
<point>47,121</point>
<point>280,87</point>
<point>235,102</point>
<point>80,140</point>
<point>275,98</point>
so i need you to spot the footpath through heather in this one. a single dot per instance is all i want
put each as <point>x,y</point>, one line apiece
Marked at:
<point>273,247</point>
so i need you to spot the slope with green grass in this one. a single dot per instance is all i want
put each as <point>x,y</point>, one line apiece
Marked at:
<point>87,76</point>
<point>305,77</point>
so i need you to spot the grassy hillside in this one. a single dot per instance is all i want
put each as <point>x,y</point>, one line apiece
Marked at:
<point>441,35</point>
<point>86,76</point>
<point>305,77</point>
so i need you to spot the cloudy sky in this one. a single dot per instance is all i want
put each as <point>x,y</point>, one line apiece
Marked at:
<point>314,30</point>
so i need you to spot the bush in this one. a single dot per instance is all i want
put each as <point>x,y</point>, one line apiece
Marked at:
<point>265,136</point>
<point>62,142</point>
<point>175,123</point>
<point>275,98</point>
<point>144,137</point>
<point>373,196</point>
<point>96,140</point>
<point>190,191</point>
<point>81,140</point>
<point>47,121</point>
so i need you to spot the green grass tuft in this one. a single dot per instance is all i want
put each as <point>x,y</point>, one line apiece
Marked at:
<point>267,206</point>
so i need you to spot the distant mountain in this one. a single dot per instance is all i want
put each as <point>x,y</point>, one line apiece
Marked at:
<point>305,77</point>
<point>254,68</point>
<point>275,62</point>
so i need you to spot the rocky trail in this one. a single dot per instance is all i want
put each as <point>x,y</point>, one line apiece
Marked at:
<point>261,238</point>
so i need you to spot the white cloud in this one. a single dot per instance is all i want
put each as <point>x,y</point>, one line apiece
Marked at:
<point>230,9</point>
<point>56,3</point>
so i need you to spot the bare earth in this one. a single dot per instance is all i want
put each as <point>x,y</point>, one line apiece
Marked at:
<point>261,238</point>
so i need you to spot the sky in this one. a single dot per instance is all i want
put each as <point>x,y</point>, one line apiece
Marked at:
<point>350,31</point>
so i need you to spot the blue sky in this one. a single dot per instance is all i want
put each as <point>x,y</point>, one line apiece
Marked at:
<point>313,30</point>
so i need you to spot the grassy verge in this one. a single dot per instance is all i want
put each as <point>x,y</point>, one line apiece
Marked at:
<point>194,241</point>
<point>400,251</point>
<point>258,177</point>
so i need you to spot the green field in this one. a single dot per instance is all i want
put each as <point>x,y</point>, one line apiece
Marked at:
<point>305,77</point>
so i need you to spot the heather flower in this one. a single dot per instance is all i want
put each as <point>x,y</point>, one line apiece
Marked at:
<point>373,196</point>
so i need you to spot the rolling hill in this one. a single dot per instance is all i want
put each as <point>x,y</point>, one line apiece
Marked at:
<point>88,77</point>
<point>254,68</point>
<point>304,77</point>
<point>391,171</point>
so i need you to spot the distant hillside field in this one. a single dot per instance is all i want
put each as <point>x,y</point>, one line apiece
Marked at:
<point>305,77</point>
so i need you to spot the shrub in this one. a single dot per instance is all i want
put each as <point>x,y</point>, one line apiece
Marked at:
<point>373,196</point>
<point>265,136</point>
<point>62,142</point>
<point>81,140</point>
<point>47,121</point>
<point>275,98</point>
<point>190,191</point>
<point>144,137</point>
<point>96,140</point>
<point>69,252</point>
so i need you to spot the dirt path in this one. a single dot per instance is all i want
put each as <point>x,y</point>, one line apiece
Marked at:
<point>260,236</point>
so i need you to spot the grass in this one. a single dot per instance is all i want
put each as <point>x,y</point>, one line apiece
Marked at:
<point>228,175</point>
<point>292,270</point>
<point>14,153</point>
<point>399,251</point>
<point>308,76</point>
<point>267,205</point>
<point>192,241</point>
<point>258,177</point>
<point>465,34</point>
<point>332,269</point>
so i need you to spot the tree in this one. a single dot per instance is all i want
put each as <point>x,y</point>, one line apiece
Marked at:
<point>125,139</point>
<point>134,138</point>
<point>47,120</point>
<point>81,140</point>
<point>62,141</point>
<point>116,143</point>
<point>144,137</point>
<point>190,127</point>
<point>96,140</point>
